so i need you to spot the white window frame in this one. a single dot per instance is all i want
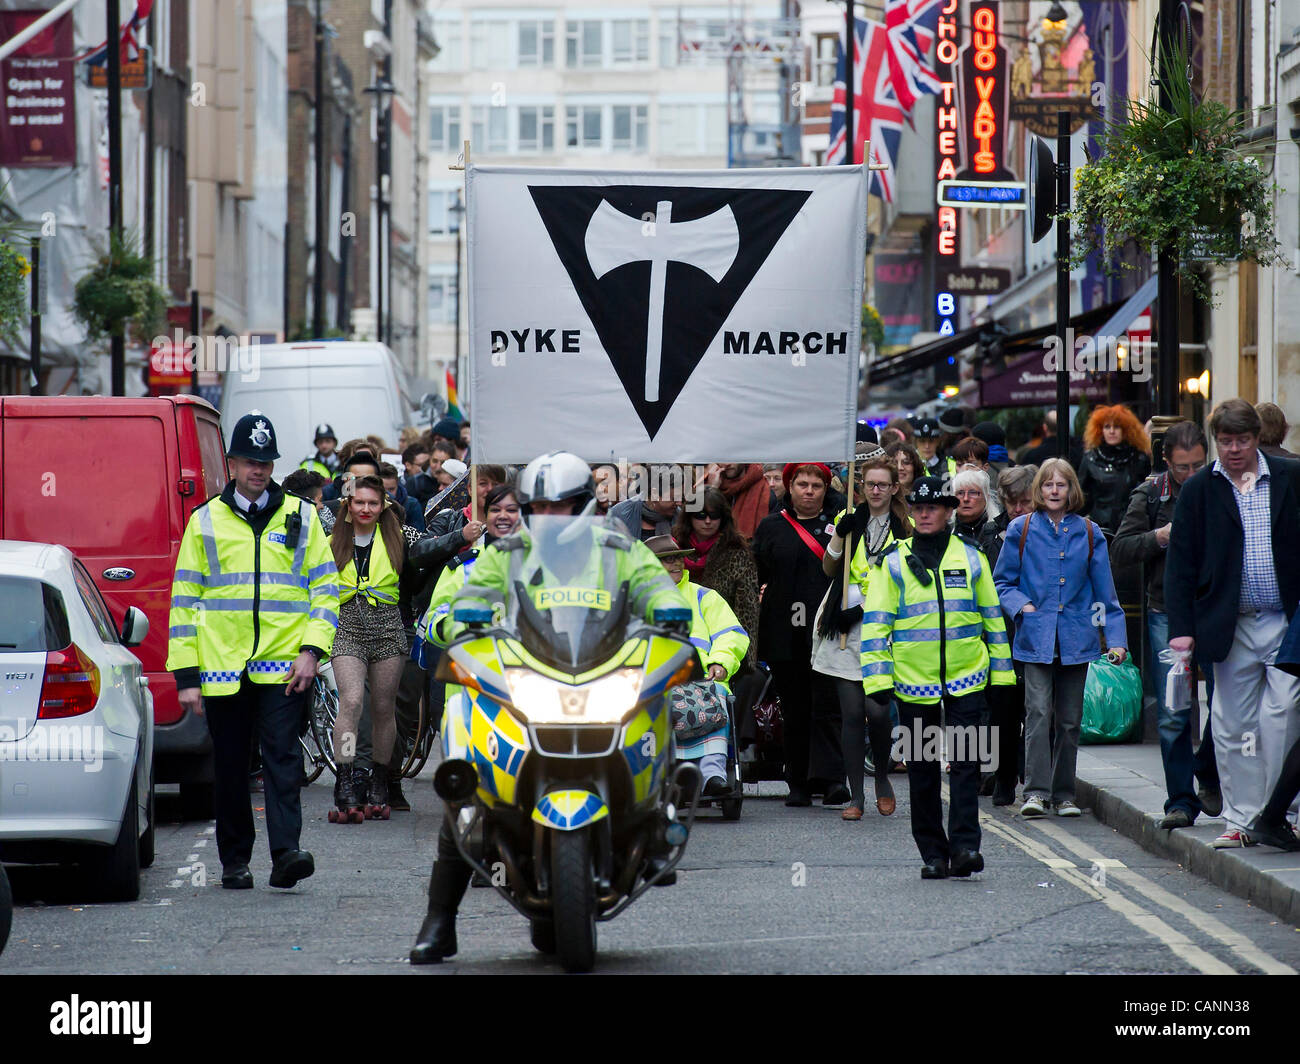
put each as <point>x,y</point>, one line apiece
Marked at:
<point>545,118</point>
<point>442,275</point>
<point>481,32</point>
<point>638,128</point>
<point>579,113</point>
<point>452,116</point>
<point>638,53</point>
<point>545,29</point>
<point>575,33</point>
<point>449,34</point>
<point>483,119</point>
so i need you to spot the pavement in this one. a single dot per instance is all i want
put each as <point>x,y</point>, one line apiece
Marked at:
<point>1124,787</point>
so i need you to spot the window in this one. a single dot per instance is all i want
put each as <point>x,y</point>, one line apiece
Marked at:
<point>825,46</point>
<point>489,44</point>
<point>583,43</point>
<point>444,127</point>
<point>693,128</point>
<point>537,43</point>
<point>490,128</point>
<point>536,129</point>
<point>630,41</point>
<point>442,219</point>
<point>34,619</point>
<point>447,33</point>
<point>582,126</point>
<point>630,124</point>
<point>442,294</point>
<point>94,604</point>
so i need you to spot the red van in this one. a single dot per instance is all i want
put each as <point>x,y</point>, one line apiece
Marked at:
<point>115,481</point>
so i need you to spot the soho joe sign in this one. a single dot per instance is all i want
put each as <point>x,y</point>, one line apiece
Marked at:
<point>970,124</point>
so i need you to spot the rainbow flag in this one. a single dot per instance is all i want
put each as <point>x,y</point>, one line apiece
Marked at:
<point>453,401</point>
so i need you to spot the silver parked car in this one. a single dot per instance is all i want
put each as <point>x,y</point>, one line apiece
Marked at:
<point>76,724</point>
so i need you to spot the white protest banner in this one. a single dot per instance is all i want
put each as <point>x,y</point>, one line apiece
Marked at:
<point>665,316</point>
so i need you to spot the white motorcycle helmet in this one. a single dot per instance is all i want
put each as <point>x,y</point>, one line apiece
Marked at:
<point>555,477</point>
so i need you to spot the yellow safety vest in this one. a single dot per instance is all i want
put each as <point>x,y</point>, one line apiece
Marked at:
<point>913,632</point>
<point>241,601</point>
<point>379,586</point>
<point>715,632</point>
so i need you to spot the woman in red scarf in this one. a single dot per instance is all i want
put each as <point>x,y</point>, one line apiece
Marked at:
<point>722,560</point>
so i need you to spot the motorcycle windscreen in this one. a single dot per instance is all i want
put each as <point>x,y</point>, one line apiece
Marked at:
<point>572,610</point>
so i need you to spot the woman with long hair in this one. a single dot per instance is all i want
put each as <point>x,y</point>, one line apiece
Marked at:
<point>722,560</point>
<point>370,551</point>
<point>909,463</point>
<point>1116,459</point>
<point>878,520</point>
<point>1052,574</point>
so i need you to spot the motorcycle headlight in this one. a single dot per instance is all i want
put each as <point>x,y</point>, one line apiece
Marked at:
<point>541,700</point>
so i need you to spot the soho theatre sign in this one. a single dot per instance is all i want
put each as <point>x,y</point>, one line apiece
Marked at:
<point>947,125</point>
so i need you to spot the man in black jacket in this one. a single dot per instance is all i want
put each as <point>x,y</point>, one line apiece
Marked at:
<point>1143,538</point>
<point>1232,582</point>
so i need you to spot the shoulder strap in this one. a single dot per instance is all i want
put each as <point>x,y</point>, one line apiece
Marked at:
<point>1024,534</point>
<point>1088,522</point>
<point>805,535</point>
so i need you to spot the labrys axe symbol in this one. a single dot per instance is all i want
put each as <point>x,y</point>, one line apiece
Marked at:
<point>614,239</point>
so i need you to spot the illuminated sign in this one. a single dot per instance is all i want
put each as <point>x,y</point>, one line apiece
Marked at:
<point>947,125</point>
<point>1011,195</point>
<point>984,97</point>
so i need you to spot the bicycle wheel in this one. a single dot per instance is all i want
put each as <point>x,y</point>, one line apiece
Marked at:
<point>313,762</point>
<point>324,711</point>
<point>410,741</point>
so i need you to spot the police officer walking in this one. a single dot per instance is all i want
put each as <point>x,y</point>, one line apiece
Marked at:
<point>255,605</point>
<point>326,460</point>
<point>933,631</point>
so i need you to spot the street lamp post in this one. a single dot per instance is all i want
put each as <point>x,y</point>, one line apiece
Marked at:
<point>113,46</point>
<point>382,90</point>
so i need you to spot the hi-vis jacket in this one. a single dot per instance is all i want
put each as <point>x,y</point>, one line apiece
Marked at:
<point>435,625</point>
<point>379,586</point>
<point>244,598</point>
<point>715,632</point>
<point>924,639</point>
<point>614,558</point>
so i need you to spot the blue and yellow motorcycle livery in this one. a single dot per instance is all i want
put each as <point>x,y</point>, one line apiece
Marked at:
<point>558,768</point>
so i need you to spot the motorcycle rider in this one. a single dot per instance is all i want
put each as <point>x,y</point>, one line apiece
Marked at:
<point>557,484</point>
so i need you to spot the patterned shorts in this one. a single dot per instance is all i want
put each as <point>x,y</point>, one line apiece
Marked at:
<point>371,633</point>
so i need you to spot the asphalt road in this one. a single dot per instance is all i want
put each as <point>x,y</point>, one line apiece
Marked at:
<point>780,891</point>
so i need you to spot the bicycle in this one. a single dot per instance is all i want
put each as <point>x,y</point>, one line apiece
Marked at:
<point>417,742</point>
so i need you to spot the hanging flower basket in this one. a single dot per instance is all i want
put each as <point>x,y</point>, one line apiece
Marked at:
<point>1175,179</point>
<point>119,294</point>
<point>14,269</point>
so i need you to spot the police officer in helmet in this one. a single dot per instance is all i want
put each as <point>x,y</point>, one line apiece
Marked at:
<point>932,630</point>
<point>326,460</point>
<point>557,484</point>
<point>255,605</point>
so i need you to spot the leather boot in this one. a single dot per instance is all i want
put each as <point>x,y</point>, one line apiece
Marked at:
<point>437,937</point>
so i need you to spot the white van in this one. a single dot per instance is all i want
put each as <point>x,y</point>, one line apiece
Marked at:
<point>358,388</point>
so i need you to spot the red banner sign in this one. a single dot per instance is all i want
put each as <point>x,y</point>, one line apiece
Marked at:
<point>38,124</point>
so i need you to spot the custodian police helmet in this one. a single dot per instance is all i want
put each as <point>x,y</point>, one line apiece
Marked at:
<point>325,432</point>
<point>933,490</point>
<point>253,437</point>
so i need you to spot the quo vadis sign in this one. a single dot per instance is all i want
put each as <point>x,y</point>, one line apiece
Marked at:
<point>984,97</point>
<point>37,107</point>
<point>647,315</point>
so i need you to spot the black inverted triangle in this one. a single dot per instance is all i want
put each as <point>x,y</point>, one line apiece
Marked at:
<point>695,306</point>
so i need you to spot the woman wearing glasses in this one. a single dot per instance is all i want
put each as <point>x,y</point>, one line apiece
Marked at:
<point>879,520</point>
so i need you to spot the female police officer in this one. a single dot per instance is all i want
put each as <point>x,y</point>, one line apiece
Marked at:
<point>932,630</point>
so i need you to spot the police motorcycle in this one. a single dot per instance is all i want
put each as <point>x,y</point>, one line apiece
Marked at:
<point>558,767</point>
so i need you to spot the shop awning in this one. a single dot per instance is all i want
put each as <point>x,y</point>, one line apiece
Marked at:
<point>922,357</point>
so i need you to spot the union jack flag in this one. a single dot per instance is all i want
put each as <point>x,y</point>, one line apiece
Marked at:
<point>912,26</point>
<point>132,29</point>
<point>878,114</point>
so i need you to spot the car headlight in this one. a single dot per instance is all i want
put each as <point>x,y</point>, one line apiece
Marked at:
<point>541,700</point>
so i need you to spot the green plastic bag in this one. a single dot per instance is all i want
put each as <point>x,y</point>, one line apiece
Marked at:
<point>1112,702</point>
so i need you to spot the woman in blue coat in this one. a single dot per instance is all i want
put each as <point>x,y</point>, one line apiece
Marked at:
<point>1053,576</point>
